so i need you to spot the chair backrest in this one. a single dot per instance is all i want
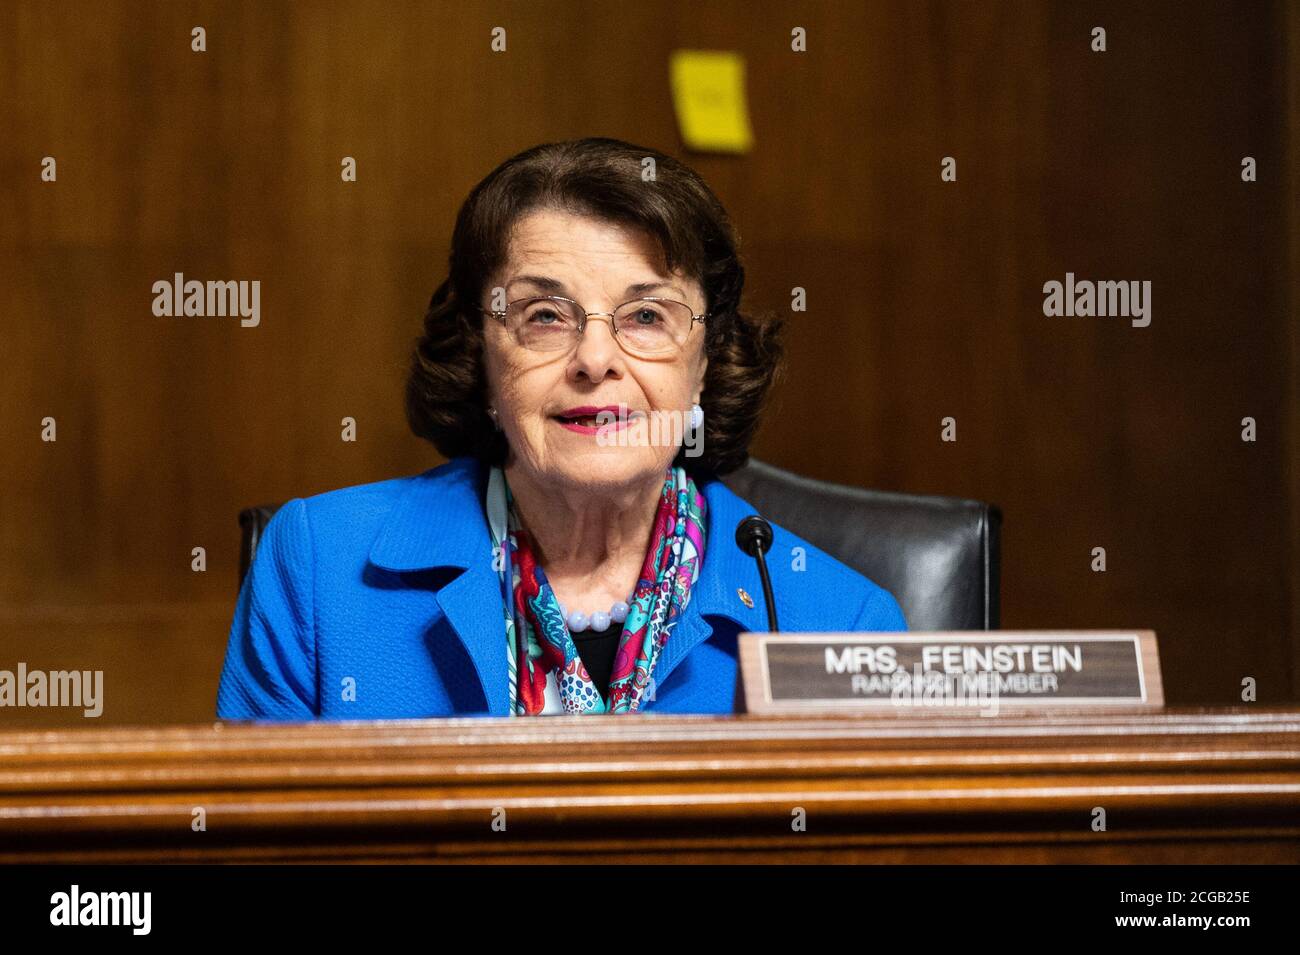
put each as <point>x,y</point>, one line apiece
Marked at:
<point>939,556</point>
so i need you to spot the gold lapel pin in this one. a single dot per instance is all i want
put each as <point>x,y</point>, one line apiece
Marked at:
<point>745,598</point>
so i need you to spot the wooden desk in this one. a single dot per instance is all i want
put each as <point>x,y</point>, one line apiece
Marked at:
<point>1177,786</point>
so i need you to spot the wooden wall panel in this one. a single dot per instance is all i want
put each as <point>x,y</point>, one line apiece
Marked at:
<point>925,298</point>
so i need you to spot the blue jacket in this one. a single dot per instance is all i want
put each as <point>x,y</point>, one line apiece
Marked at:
<point>380,601</point>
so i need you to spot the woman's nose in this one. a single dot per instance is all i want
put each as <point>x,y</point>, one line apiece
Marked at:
<point>598,350</point>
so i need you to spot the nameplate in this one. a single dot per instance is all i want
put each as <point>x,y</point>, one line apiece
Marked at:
<point>915,673</point>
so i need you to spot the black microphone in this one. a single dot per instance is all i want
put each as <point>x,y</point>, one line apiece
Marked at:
<point>754,535</point>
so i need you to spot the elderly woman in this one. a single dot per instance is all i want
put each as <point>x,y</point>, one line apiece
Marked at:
<point>588,373</point>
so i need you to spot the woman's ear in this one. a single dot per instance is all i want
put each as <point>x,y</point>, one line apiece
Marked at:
<point>699,385</point>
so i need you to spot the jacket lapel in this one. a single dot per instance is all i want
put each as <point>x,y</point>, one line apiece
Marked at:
<point>474,608</point>
<point>438,522</point>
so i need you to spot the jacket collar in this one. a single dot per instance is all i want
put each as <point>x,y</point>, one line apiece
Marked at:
<point>439,521</point>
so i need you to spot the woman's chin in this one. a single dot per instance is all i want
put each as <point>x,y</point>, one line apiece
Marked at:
<point>587,462</point>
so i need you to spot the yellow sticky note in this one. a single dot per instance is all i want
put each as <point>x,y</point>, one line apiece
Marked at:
<point>709,96</point>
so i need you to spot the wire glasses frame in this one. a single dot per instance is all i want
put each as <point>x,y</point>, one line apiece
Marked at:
<point>627,340</point>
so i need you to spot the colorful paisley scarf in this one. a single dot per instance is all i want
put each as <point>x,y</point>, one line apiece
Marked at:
<point>546,675</point>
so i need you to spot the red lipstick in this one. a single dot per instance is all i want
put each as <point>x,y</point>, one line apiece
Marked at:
<point>583,420</point>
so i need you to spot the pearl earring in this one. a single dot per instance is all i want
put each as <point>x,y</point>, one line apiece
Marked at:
<point>496,418</point>
<point>697,417</point>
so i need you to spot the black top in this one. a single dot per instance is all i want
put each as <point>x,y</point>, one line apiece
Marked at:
<point>597,649</point>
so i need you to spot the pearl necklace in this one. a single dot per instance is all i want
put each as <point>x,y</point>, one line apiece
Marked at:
<point>578,621</point>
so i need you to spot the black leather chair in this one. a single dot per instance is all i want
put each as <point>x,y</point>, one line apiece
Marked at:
<point>939,556</point>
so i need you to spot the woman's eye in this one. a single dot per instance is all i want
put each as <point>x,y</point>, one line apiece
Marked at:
<point>544,316</point>
<point>646,316</point>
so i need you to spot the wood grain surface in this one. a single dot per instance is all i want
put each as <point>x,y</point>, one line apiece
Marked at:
<point>1189,785</point>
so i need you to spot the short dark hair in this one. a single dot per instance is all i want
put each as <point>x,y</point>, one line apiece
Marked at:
<point>446,389</point>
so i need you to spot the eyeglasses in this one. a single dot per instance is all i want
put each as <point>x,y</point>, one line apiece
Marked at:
<point>643,327</point>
